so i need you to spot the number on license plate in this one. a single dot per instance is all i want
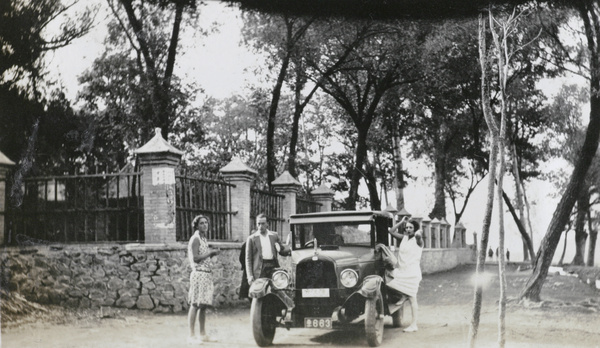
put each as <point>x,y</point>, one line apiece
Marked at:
<point>317,323</point>
<point>315,292</point>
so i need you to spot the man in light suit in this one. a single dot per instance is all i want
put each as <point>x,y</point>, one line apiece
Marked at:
<point>262,248</point>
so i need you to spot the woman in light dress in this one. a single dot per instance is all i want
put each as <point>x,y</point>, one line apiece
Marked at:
<point>200,295</point>
<point>407,276</point>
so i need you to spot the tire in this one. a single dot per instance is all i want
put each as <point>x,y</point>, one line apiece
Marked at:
<point>374,321</point>
<point>263,322</point>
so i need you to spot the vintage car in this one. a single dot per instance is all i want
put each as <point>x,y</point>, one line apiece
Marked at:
<point>337,278</point>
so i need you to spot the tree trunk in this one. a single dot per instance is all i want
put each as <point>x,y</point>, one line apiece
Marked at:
<point>481,253</point>
<point>371,181</point>
<point>291,41</point>
<point>399,183</point>
<point>160,87</point>
<point>272,121</point>
<point>487,219</point>
<point>562,257</point>
<point>526,239</point>
<point>519,194</point>
<point>534,284</point>
<point>592,245</point>
<point>360,156</point>
<point>528,217</point>
<point>502,54</point>
<point>583,206</point>
<point>298,108</point>
<point>439,205</point>
<point>164,112</point>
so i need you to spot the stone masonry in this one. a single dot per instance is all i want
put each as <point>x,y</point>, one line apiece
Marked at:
<point>154,278</point>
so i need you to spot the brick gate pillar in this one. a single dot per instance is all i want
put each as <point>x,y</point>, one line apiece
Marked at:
<point>444,233</point>
<point>323,195</point>
<point>5,165</point>
<point>435,233</point>
<point>288,186</point>
<point>459,236</point>
<point>158,160</point>
<point>426,227</point>
<point>239,174</point>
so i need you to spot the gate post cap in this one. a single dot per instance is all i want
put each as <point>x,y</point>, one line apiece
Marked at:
<point>158,144</point>
<point>5,161</point>
<point>237,166</point>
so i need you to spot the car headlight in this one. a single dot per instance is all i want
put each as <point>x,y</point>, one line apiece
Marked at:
<point>280,280</point>
<point>349,278</point>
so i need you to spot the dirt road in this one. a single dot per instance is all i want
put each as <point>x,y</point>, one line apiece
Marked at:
<point>569,317</point>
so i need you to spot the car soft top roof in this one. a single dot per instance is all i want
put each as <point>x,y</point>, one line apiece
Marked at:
<point>337,216</point>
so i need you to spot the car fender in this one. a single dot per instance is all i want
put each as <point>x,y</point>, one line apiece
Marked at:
<point>262,288</point>
<point>259,288</point>
<point>369,289</point>
<point>370,286</point>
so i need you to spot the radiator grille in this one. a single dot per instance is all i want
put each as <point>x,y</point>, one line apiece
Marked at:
<point>316,274</point>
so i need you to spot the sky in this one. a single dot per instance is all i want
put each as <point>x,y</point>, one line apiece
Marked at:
<point>218,64</point>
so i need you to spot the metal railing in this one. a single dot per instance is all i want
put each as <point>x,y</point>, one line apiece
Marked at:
<point>268,203</point>
<point>307,205</point>
<point>209,196</point>
<point>75,209</point>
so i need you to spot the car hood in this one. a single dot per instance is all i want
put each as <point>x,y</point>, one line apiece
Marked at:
<point>342,256</point>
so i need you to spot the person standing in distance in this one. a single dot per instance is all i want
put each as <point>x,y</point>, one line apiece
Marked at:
<point>262,248</point>
<point>200,295</point>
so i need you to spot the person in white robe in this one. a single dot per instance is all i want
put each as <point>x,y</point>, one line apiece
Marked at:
<point>407,275</point>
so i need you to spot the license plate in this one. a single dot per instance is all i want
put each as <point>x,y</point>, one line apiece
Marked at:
<point>317,323</point>
<point>315,292</point>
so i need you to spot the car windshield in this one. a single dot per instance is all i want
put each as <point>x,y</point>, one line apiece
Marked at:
<point>334,234</point>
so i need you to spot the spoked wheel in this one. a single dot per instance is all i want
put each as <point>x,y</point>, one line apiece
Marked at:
<point>263,322</point>
<point>374,320</point>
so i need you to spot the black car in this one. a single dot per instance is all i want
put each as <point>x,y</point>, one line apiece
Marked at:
<point>337,277</point>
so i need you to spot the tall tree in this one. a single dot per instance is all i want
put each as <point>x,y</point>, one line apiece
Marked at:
<point>442,100</point>
<point>565,140</point>
<point>589,12</point>
<point>25,37</point>
<point>147,31</point>
<point>121,88</point>
<point>486,105</point>
<point>223,129</point>
<point>283,34</point>
<point>28,112</point>
<point>385,59</point>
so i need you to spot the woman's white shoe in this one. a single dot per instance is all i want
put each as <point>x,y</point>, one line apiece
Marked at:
<point>194,340</point>
<point>412,328</point>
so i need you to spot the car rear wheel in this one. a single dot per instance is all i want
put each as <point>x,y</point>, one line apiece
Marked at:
<point>374,321</point>
<point>263,322</point>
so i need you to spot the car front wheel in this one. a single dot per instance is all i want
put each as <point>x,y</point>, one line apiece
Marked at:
<point>374,320</point>
<point>263,322</point>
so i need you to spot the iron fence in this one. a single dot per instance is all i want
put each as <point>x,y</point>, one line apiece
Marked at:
<point>209,196</point>
<point>75,209</point>
<point>268,203</point>
<point>307,205</point>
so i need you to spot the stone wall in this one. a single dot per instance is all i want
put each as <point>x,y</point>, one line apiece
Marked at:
<point>142,276</point>
<point>439,260</point>
<point>149,277</point>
